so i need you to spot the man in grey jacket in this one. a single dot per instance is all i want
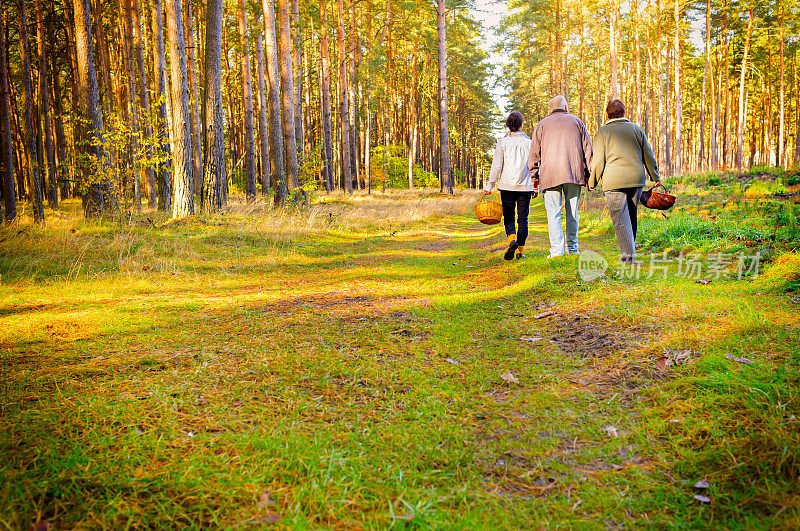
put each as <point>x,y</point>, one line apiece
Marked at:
<point>560,158</point>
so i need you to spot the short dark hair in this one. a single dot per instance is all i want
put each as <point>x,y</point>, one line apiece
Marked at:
<point>615,109</point>
<point>514,121</point>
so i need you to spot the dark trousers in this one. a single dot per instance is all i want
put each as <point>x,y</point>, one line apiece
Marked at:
<point>521,202</point>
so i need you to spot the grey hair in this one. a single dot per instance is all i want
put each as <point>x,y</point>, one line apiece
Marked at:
<point>558,102</point>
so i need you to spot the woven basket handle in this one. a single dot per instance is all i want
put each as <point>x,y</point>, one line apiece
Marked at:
<point>492,194</point>
<point>659,183</point>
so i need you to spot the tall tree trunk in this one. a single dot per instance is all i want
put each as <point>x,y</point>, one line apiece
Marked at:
<point>29,127</point>
<point>612,46</point>
<point>247,102</point>
<point>444,165</point>
<point>102,52</point>
<point>638,68</point>
<point>276,147</point>
<point>136,162</point>
<point>582,75</point>
<point>702,156</point>
<point>387,72</point>
<point>325,89</point>
<point>287,94</point>
<point>44,96</point>
<point>412,141</point>
<point>678,105</point>
<point>164,172</point>
<point>351,90</point>
<point>262,112</point>
<point>58,113</point>
<point>6,134</point>
<point>100,196</point>
<point>183,201</point>
<point>740,127</point>
<point>191,71</point>
<point>781,148</point>
<point>797,112</point>
<point>214,127</point>
<point>297,39</point>
<point>344,112</point>
<point>144,101</point>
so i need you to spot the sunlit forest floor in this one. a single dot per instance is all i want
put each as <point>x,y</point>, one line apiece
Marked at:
<point>372,361</point>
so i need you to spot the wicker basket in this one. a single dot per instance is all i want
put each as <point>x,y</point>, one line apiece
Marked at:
<point>489,212</point>
<point>657,200</point>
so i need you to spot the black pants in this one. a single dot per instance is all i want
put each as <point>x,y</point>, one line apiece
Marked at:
<point>521,202</point>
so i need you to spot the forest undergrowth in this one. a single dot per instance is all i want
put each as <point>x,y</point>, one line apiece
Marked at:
<point>371,361</point>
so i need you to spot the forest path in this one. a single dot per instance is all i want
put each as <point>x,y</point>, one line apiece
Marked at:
<point>225,376</point>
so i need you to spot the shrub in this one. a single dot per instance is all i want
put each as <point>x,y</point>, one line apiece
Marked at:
<point>397,170</point>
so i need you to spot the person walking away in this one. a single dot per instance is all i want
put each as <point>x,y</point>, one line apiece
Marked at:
<point>560,158</point>
<point>510,165</point>
<point>622,160</point>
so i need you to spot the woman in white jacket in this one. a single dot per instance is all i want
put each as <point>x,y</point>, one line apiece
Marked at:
<point>510,165</point>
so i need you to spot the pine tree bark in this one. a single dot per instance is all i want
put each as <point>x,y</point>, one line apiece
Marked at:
<point>44,96</point>
<point>743,74</point>
<point>444,165</point>
<point>287,94</point>
<point>214,126</point>
<point>247,103</point>
<point>191,70</point>
<point>276,146</point>
<point>164,172</point>
<point>29,128</point>
<point>344,112</point>
<point>297,51</point>
<point>6,134</point>
<point>99,197</point>
<point>263,125</point>
<point>325,89</point>
<point>183,201</point>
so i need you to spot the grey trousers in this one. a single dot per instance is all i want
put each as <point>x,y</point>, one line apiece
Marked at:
<point>622,205</point>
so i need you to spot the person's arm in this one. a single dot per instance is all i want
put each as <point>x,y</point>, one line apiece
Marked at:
<point>649,158</point>
<point>598,161</point>
<point>535,156</point>
<point>587,152</point>
<point>497,168</point>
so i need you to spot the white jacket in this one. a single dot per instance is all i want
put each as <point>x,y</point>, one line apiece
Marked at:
<point>510,164</point>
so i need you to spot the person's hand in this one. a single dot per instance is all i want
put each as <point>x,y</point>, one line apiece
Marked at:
<point>485,193</point>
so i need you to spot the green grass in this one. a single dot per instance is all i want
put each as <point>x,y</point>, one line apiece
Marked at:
<point>343,367</point>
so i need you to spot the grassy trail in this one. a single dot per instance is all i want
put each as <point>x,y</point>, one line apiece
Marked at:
<point>246,372</point>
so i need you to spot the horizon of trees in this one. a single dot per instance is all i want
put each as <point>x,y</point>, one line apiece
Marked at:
<point>176,102</point>
<point>125,101</point>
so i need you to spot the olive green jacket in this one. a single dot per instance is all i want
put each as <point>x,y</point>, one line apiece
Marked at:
<point>622,157</point>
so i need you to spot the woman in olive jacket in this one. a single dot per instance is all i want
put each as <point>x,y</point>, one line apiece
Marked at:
<point>622,161</point>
